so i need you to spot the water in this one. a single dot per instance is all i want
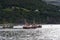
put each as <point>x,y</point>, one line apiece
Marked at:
<point>30,34</point>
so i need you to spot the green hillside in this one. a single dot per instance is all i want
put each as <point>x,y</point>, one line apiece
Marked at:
<point>38,11</point>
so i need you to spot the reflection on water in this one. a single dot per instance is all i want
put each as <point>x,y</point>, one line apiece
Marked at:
<point>28,34</point>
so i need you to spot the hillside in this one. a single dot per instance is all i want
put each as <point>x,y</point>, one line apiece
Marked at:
<point>18,11</point>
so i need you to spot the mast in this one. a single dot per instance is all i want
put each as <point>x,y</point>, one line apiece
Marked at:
<point>33,22</point>
<point>26,23</point>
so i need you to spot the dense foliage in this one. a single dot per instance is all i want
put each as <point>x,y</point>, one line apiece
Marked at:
<point>17,11</point>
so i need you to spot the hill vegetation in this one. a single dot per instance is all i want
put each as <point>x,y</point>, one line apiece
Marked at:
<point>19,11</point>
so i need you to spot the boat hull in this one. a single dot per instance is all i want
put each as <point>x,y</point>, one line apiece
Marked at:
<point>32,27</point>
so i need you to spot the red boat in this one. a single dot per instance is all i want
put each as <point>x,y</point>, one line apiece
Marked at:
<point>32,26</point>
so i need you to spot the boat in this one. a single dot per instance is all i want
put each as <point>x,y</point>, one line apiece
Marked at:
<point>31,26</point>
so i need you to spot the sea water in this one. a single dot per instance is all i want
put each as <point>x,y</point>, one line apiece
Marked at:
<point>30,34</point>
